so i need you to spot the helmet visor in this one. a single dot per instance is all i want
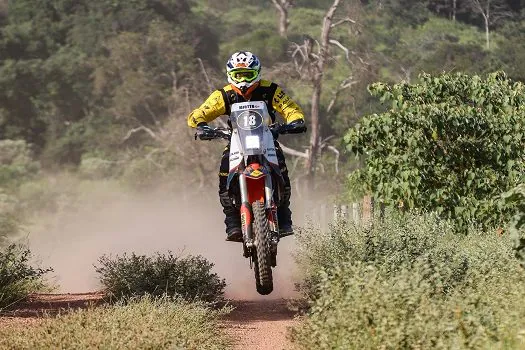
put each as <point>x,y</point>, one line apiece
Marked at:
<point>241,75</point>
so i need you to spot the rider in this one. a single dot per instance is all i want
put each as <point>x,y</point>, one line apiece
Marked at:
<point>243,70</point>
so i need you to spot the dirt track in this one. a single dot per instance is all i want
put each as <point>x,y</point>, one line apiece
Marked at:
<point>255,325</point>
<point>260,325</point>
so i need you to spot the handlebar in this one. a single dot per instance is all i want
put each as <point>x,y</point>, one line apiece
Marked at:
<point>223,133</point>
<point>211,134</point>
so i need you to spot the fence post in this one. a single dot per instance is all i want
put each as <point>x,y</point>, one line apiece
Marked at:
<point>344,212</point>
<point>355,213</point>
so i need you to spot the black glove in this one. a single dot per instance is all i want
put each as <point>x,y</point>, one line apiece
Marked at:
<point>295,127</point>
<point>275,129</point>
<point>204,132</point>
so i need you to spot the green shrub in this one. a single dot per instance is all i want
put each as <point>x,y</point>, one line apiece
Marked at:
<point>450,143</point>
<point>409,282</point>
<point>17,277</point>
<point>140,324</point>
<point>164,274</point>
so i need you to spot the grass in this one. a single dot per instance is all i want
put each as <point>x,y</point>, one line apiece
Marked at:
<point>410,283</point>
<point>144,323</point>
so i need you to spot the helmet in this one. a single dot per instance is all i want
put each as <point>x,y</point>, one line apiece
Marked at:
<point>243,70</point>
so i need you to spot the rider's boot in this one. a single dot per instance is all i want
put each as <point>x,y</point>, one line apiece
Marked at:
<point>232,219</point>
<point>284,214</point>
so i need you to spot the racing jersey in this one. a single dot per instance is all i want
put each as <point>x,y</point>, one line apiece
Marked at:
<point>219,102</point>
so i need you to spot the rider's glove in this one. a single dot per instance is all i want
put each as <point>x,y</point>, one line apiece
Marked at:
<point>275,131</point>
<point>295,127</point>
<point>203,131</point>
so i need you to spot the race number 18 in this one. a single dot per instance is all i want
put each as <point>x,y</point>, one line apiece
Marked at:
<point>250,120</point>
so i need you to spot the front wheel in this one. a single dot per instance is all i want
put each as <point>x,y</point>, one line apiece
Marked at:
<point>262,252</point>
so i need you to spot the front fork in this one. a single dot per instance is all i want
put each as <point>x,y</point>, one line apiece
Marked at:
<point>247,214</point>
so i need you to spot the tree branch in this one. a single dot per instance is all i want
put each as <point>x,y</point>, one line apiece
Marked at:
<point>293,152</point>
<point>344,20</point>
<point>208,81</point>
<point>345,84</point>
<point>141,128</point>
<point>339,45</point>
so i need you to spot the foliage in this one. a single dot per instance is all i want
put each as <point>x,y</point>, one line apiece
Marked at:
<point>450,143</point>
<point>77,76</point>
<point>409,283</point>
<point>66,64</point>
<point>163,274</point>
<point>16,163</point>
<point>17,277</point>
<point>144,323</point>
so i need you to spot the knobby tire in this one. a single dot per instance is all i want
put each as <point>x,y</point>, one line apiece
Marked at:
<point>262,258</point>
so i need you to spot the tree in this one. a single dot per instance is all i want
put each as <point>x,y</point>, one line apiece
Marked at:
<point>450,144</point>
<point>312,64</point>
<point>448,7</point>
<point>491,11</point>
<point>282,6</point>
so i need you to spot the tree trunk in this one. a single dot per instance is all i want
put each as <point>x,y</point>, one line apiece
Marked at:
<point>487,32</point>
<point>454,7</point>
<point>316,95</point>
<point>283,23</point>
<point>282,6</point>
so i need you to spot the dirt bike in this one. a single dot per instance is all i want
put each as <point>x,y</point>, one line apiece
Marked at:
<point>255,184</point>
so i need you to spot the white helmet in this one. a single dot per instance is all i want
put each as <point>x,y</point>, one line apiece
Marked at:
<point>243,70</point>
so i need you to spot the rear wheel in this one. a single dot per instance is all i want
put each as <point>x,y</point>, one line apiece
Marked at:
<point>262,257</point>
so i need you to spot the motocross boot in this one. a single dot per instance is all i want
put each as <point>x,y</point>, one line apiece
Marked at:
<point>284,214</point>
<point>232,219</point>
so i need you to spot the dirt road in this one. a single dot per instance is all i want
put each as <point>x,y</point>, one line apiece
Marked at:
<point>260,325</point>
<point>254,325</point>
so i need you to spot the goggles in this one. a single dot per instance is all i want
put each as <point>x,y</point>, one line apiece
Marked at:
<point>240,75</point>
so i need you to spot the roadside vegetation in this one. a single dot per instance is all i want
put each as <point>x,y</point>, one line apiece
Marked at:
<point>189,277</point>
<point>94,95</point>
<point>18,278</point>
<point>438,269</point>
<point>142,323</point>
<point>409,282</point>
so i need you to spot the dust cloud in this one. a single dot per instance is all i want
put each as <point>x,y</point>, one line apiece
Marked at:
<point>157,222</point>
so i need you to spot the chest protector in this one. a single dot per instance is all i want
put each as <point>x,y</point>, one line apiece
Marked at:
<point>261,93</point>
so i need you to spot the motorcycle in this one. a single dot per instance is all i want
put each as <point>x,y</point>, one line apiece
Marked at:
<point>255,183</point>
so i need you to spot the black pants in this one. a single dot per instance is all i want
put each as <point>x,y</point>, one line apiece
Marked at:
<point>283,211</point>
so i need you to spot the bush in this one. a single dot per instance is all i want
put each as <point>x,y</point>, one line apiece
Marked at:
<point>164,274</point>
<point>409,283</point>
<point>140,324</point>
<point>17,278</point>
<point>450,143</point>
